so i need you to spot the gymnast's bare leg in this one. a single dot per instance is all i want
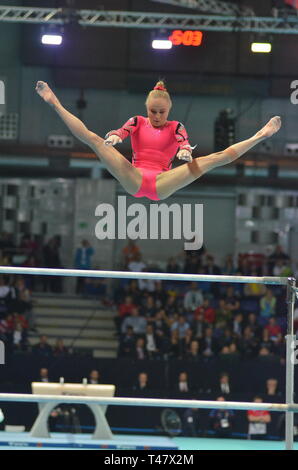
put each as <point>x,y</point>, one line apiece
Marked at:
<point>171,181</point>
<point>127,175</point>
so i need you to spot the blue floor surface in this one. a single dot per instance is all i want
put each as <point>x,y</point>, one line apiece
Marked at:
<point>60,441</point>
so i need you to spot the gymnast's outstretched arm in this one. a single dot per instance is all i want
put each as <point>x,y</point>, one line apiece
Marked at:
<point>76,127</point>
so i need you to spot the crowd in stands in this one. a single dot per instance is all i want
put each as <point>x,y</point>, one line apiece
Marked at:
<point>202,320</point>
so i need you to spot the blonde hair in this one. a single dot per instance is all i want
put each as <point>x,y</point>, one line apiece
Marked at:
<point>159,91</point>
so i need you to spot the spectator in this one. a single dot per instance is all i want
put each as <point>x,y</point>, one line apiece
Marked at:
<point>210,267</point>
<point>94,377</point>
<point>142,383</point>
<point>237,325</point>
<point>130,253</point>
<point>258,421</point>
<point>83,261</point>
<point>206,311</point>
<point>272,387</point>
<point>42,349</point>
<point>267,304</point>
<point>277,255</point>
<point>229,267</point>
<point>151,342</point>
<point>190,422</point>
<point>44,375</point>
<point>183,385</point>
<point>137,322</point>
<point>231,300</point>
<point>127,343</point>
<point>208,344</point>
<point>172,266</point>
<point>59,349</point>
<point>140,351</point>
<point>224,386</point>
<point>193,298</point>
<point>193,353</point>
<point>248,343</point>
<point>221,420</point>
<point>160,296</point>
<point>252,323</point>
<point>149,309</point>
<point>137,265</point>
<point>198,326</point>
<point>51,258</point>
<point>254,290</point>
<point>223,313</point>
<point>274,331</point>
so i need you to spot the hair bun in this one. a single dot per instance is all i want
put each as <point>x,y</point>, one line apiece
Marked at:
<point>160,87</point>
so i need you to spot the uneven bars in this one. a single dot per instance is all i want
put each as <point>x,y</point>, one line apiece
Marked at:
<point>153,402</point>
<point>142,275</point>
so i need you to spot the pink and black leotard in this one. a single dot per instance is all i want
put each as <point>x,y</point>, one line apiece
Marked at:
<point>154,149</point>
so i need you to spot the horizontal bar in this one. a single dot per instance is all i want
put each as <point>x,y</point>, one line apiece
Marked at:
<point>136,275</point>
<point>153,402</point>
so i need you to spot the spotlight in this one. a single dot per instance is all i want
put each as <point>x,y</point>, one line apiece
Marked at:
<point>52,35</point>
<point>162,44</point>
<point>261,47</point>
<point>51,39</point>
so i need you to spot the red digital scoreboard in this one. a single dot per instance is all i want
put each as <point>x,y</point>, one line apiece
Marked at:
<point>186,38</point>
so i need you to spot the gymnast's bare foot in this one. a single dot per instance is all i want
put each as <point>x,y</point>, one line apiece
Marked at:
<point>270,128</point>
<point>46,93</point>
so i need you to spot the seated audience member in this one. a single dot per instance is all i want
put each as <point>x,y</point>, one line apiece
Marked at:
<point>193,298</point>
<point>208,344</point>
<point>258,421</point>
<point>232,301</point>
<point>183,385</point>
<point>161,322</point>
<point>207,311</point>
<point>248,344</point>
<point>190,422</point>
<point>223,313</point>
<point>42,348</point>
<point>274,331</point>
<point>60,349</point>
<point>94,377</point>
<point>277,255</point>
<point>142,383</point>
<point>229,268</point>
<point>181,326</point>
<point>237,325</point>
<point>149,308</point>
<point>140,350</point>
<point>127,343</point>
<point>221,421</point>
<point>254,290</point>
<point>164,345</point>
<point>137,322</point>
<point>198,326</point>
<point>130,253</point>
<point>159,294</point>
<point>172,266</point>
<point>44,375</point>
<point>151,342</point>
<point>137,265</point>
<point>224,386</point>
<point>272,388</point>
<point>252,323</point>
<point>193,352</point>
<point>268,304</point>
<point>171,305</point>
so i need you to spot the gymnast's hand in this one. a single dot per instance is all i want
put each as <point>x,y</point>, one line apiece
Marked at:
<point>113,139</point>
<point>184,154</point>
<point>46,93</point>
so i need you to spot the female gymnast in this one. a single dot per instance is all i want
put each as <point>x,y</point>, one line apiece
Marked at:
<point>155,142</point>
